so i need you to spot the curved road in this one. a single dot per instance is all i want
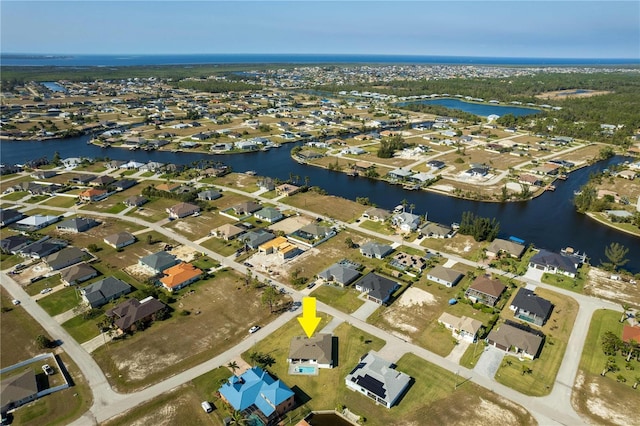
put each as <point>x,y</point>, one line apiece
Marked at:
<point>554,408</point>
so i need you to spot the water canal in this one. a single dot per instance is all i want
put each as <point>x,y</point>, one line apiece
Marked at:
<point>548,221</point>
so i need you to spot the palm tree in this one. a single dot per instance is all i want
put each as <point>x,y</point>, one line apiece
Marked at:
<point>636,380</point>
<point>411,207</point>
<point>404,203</point>
<point>625,308</point>
<point>237,418</point>
<point>233,366</point>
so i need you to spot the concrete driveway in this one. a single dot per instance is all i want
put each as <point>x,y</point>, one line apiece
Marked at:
<point>363,312</point>
<point>489,362</point>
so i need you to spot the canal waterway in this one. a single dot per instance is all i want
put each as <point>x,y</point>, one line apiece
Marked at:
<point>483,110</point>
<point>548,221</point>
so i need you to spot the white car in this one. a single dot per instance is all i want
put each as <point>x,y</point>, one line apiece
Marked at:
<point>47,369</point>
<point>15,302</point>
<point>254,329</point>
<point>45,290</point>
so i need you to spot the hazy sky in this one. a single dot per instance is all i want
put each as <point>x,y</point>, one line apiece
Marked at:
<point>570,29</point>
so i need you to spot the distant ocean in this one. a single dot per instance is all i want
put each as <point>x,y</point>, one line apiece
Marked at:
<point>200,59</point>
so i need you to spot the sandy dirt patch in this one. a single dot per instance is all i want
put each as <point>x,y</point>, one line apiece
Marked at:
<point>570,93</point>
<point>291,224</point>
<point>600,284</point>
<point>601,403</point>
<point>184,253</point>
<point>415,296</point>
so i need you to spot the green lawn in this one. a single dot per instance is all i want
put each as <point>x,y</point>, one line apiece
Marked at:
<point>116,208</point>
<point>379,227</point>
<point>221,246</point>
<point>51,281</point>
<point>82,330</point>
<point>60,201</point>
<point>204,263</point>
<point>568,283</point>
<point>60,301</point>
<point>9,260</point>
<point>344,299</point>
<point>472,355</point>
<point>15,196</point>
<point>147,174</point>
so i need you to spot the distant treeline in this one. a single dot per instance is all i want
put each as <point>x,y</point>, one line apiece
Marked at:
<point>216,86</point>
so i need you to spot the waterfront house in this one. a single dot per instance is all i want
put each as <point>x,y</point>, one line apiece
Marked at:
<point>158,262</point>
<point>104,291</point>
<point>462,328</point>
<point>316,350</point>
<point>341,273</point>
<point>181,210</point>
<point>66,257</point>
<point>77,224</point>
<point>530,180</point>
<point>510,248</point>
<point>555,263</point>
<point>179,276</point>
<point>119,240</point>
<point>77,273</point>
<point>528,306</point>
<point>519,341</point>
<point>376,287</point>
<point>445,276</point>
<point>372,249</point>
<point>377,379</point>
<point>399,174</point>
<point>256,392</point>
<point>485,290</point>
<point>406,222</point>
<point>128,314</point>
<point>437,230</point>
<point>376,214</point>
<point>287,189</point>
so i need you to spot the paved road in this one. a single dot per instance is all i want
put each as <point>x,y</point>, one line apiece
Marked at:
<point>555,408</point>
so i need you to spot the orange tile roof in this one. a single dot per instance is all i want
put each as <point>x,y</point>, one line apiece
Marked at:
<point>629,333</point>
<point>178,274</point>
<point>167,186</point>
<point>92,192</point>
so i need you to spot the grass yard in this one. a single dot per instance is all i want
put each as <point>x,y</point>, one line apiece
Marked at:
<point>154,210</point>
<point>379,227</point>
<point>472,354</point>
<point>60,301</point>
<point>35,288</point>
<point>605,400</point>
<point>344,299</point>
<point>221,312</point>
<point>462,245</point>
<point>195,228</point>
<point>239,181</point>
<point>220,246</point>
<point>82,330</point>
<point>326,205</point>
<point>10,260</point>
<point>14,196</point>
<point>60,201</point>
<point>545,368</point>
<point>568,283</point>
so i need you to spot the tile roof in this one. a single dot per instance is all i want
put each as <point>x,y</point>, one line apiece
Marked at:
<point>179,274</point>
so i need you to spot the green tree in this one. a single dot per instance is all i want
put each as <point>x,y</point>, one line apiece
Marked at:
<point>270,297</point>
<point>44,342</point>
<point>233,366</point>
<point>56,161</point>
<point>616,255</point>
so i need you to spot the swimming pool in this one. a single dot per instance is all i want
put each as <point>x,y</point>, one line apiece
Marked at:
<point>306,369</point>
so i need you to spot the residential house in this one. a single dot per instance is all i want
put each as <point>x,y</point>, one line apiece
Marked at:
<point>104,291</point>
<point>406,262</point>
<point>93,194</point>
<point>120,240</point>
<point>462,328</point>
<point>436,164</point>
<point>168,187</point>
<point>227,231</point>
<point>135,201</point>
<point>445,276</point>
<point>9,216</point>
<point>43,174</point>
<point>179,276</point>
<point>14,243</point>
<point>530,180</point>
<point>18,390</point>
<point>158,262</point>
<point>555,263</point>
<point>131,312</point>
<point>377,288</point>
<point>287,189</point>
<point>630,333</point>
<point>280,246</point>
<point>253,239</point>
<point>377,379</point>
<point>269,214</point>
<point>406,222</point>
<point>399,174</point>
<point>42,248</point>
<point>35,222</point>
<point>181,210</point>
<point>266,184</point>
<point>341,273</point>
<point>376,214</point>
<point>485,290</point>
<point>77,224</point>
<point>82,179</point>
<point>520,341</point>
<point>65,257</point>
<point>437,230</point>
<point>312,235</point>
<point>256,392</point>
<point>316,350</point>
<point>528,306</point>
<point>246,208</point>
<point>512,249</point>
<point>102,180</point>
<point>123,184</point>
<point>77,273</point>
<point>371,249</point>
<point>209,195</point>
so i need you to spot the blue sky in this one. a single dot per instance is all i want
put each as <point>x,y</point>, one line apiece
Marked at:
<point>571,29</point>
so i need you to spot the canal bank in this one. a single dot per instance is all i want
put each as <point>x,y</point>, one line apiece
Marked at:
<point>549,221</point>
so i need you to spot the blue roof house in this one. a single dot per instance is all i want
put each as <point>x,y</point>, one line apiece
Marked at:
<point>255,391</point>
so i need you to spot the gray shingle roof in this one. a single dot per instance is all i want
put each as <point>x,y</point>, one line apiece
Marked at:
<point>377,376</point>
<point>340,273</point>
<point>99,292</point>
<point>529,301</point>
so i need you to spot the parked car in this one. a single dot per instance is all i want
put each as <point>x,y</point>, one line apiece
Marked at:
<point>15,302</point>
<point>248,265</point>
<point>254,329</point>
<point>206,406</point>
<point>47,369</point>
<point>45,290</point>
<point>311,285</point>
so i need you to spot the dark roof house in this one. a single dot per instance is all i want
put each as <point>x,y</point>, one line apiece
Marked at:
<point>317,350</point>
<point>341,273</point>
<point>77,273</point>
<point>158,262</point>
<point>129,312</point>
<point>372,249</point>
<point>377,287</point>
<point>554,263</point>
<point>66,257</point>
<point>77,224</point>
<point>528,306</point>
<point>517,340</point>
<point>103,291</point>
